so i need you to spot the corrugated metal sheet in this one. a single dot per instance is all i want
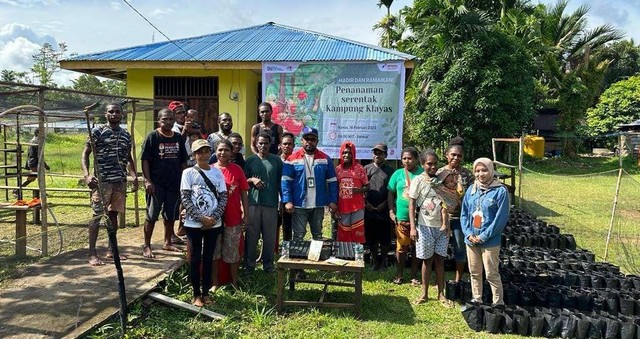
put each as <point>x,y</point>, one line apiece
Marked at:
<point>268,42</point>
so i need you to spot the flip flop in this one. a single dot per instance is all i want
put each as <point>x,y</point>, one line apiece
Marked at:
<point>398,280</point>
<point>419,301</point>
<point>415,283</point>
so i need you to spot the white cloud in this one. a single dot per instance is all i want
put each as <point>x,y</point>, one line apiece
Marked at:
<point>30,3</point>
<point>13,31</point>
<point>116,5</point>
<point>159,13</point>
<point>16,54</point>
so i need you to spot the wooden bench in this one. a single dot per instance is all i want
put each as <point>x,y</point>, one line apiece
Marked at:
<point>290,264</point>
<point>21,227</point>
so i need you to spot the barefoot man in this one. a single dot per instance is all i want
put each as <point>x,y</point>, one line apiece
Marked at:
<point>163,159</point>
<point>112,145</point>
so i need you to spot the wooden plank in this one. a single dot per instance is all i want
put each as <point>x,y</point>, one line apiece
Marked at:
<point>21,233</point>
<point>324,293</point>
<point>185,306</point>
<point>323,282</point>
<point>317,304</point>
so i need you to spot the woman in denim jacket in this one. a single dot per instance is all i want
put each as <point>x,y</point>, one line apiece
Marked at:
<point>484,214</point>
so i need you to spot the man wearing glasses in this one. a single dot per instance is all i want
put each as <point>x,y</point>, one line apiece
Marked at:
<point>309,184</point>
<point>377,224</point>
<point>112,146</point>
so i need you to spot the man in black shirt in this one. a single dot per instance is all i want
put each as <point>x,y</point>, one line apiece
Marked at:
<point>376,217</point>
<point>163,159</point>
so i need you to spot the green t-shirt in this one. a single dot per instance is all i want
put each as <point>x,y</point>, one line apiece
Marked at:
<point>269,170</point>
<point>397,185</point>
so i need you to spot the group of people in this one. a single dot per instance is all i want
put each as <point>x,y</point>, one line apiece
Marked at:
<point>226,203</point>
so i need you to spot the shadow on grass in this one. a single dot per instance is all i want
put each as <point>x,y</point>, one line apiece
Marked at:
<point>537,209</point>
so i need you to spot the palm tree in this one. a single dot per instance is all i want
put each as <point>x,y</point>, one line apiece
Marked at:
<point>444,24</point>
<point>386,24</point>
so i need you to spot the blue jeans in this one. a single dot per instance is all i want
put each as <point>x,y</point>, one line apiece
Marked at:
<point>459,247</point>
<point>314,216</point>
<point>202,244</point>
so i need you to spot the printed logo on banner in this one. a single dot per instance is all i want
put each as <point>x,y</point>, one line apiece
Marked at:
<point>280,68</point>
<point>389,67</point>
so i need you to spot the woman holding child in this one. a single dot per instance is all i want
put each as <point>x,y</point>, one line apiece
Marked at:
<point>430,198</point>
<point>455,156</point>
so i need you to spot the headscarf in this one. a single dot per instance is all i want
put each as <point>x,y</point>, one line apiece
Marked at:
<point>450,197</point>
<point>352,148</point>
<point>491,180</point>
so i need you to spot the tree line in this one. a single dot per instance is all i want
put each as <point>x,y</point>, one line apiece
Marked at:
<point>488,66</point>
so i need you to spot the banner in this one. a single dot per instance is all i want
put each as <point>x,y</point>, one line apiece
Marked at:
<point>358,102</point>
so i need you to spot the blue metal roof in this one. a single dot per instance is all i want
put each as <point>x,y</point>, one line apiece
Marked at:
<point>268,42</point>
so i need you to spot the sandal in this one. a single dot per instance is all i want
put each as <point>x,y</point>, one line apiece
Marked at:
<point>398,280</point>
<point>420,301</point>
<point>415,282</point>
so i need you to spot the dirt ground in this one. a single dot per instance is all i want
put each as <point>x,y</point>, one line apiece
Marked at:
<point>63,296</point>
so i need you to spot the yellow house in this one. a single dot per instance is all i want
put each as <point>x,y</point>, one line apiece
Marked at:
<point>221,72</point>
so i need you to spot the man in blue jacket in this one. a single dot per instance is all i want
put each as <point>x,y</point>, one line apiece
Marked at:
<point>308,185</point>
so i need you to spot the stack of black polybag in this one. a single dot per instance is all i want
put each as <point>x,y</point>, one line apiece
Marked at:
<point>552,289</point>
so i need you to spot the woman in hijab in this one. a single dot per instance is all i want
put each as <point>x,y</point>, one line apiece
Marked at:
<point>484,214</point>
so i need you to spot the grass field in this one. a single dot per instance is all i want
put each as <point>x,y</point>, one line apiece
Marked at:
<point>553,189</point>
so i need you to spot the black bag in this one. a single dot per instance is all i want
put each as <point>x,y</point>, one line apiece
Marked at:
<point>451,290</point>
<point>569,324</point>
<point>493,320</point>
<point>553,325</point>
<point>521,323</point>
<point>473,314</point>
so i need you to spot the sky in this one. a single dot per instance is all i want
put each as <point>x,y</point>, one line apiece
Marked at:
<point>88,26</point>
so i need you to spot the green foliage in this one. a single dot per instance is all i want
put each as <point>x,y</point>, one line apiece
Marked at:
<point>619,104</point>
<point>46,62</point>
<point>625,61</point>
<point>489,87</point>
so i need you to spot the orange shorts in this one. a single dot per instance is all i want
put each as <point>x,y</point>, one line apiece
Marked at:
<point>403,239</point>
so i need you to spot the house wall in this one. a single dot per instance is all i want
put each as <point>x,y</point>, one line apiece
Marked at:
<point>244,82</point>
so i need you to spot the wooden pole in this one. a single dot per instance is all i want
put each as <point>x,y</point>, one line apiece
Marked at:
<point>615,198</point>
<point>613,213</point>
<point>493,148</point>
<point>42,183</point>
<point>520,167</point>
<point>135,158</point>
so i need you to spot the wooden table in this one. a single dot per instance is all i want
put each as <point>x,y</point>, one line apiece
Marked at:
<point>284,264</point>
<point>21,227</point>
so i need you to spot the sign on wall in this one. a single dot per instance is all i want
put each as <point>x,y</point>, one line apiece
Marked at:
<point>358,102</point>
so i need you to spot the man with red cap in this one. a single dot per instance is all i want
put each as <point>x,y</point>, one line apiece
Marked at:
<point>352,185</point>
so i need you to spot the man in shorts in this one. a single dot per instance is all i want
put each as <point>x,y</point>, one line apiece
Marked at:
<point>163,159</point>
<point>112,146</point>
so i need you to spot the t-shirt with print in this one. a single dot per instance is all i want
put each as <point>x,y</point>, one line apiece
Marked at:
<point>427,200</point>
<point>349,178</point>
<point>201,195</point>
<point>236,182</point>
<point>165,156</point>
<point>466,179</point>
<point>112,147</point>
<point>269,170</point>
<point>378,190</point>
<point>397,185</point>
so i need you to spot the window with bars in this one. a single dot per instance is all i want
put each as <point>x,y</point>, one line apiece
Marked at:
<point>185,87</point>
